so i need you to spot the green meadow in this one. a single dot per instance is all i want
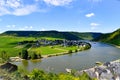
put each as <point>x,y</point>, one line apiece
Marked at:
<point>9,44</point>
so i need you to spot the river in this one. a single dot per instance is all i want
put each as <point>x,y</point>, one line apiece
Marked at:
<point>76,61</point>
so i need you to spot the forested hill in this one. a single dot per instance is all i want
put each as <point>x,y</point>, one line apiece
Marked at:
<point>113,38</point>
<point>53,34</point>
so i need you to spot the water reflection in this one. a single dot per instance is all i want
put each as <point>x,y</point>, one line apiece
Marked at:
<point>35,61</point>
<point>25,63</point>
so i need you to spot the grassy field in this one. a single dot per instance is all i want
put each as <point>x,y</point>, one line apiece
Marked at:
<point>9,44</point>
<point>46,50</point>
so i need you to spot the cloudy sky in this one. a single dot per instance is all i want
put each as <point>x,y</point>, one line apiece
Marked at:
<point>62,15</point>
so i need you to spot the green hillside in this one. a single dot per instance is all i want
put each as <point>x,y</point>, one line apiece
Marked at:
<point>87,35</point>
<point>53,34</point>
<point>9,40</point>
<point>113,38</point>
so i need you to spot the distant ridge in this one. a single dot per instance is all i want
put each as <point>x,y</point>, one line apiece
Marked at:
<point>113,38</point>
<point>54,34</point>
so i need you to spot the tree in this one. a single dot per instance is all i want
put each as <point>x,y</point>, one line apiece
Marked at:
<point>24,54</point>
<point>70,51</point>
<point>34,55</point>
<point>19,54</point>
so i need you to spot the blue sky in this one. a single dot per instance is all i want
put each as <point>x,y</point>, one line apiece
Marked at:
<point>62,15</point>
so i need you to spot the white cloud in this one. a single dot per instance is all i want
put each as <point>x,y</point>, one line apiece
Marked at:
<point>13,3</point>
<point>25,10</point>
<point>94,25</point>
<point>90,15</point>
<point>26,28</point>
<point>11,26</point>
<point>43,29</point>
<point>3,11</point>
<point>21,8</point>
<point>16,7</point>
<point>58,2</point>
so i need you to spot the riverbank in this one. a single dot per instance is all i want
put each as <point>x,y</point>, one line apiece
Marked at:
<point>118,46</point>
<point>63,53</point>
<point>114,45</point>
<point>111,44</point>
<point>18,59</point>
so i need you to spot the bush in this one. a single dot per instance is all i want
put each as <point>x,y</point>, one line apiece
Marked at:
<point>70,51</point>
<point>24,54</point>
<point>88,46</point>
<point>34,55</point>
<point>4,56</point>
<point>41,75</point>
<point>76,50</point>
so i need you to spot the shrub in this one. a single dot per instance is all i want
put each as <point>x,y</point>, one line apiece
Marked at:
<point>34,55</point>
<point>70,51</point>
<point>24,54</point>
<point>4,56</point>
<point>76,50</point>
<point>19,54</point>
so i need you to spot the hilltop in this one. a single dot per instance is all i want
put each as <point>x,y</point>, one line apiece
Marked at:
<point>113,38</point>
<point>53,34</point>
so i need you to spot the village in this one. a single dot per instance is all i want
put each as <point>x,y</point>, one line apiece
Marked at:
<point>63,43</point>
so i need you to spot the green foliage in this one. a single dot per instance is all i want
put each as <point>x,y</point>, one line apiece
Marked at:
<point>10,44</point>
<point>112,38</point>
<point>53,34</point>
<point>76,50</point>
<point>34,55</point>
<point>46,50</point>
<point>88,46</point>
<point>85,76</point>
<point>70,51</point>
<point>41,75</point>
<point>24,54</point>
<point>37,75</point>
<point>4,56</point>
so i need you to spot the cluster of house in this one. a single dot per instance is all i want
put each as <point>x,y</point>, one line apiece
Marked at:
<point>45,42</point>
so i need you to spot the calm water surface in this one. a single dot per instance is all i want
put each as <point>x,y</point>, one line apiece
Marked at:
<point>77,61</point>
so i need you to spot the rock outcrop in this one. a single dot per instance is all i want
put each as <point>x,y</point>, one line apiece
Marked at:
<point>107,71</point>
<point>9,67</point>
